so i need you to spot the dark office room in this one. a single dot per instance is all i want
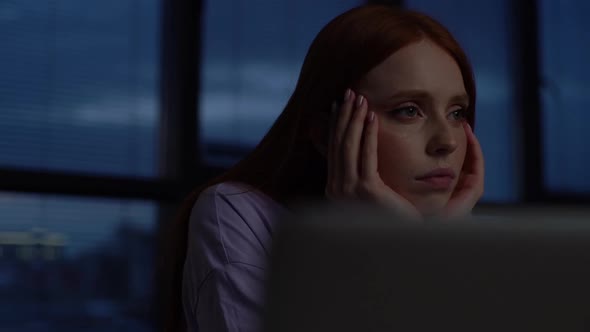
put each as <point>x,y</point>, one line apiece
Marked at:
<point>294,165</point>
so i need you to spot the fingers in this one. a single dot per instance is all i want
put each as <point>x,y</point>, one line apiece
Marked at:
<point>352,140</point>
<point>469,188</point>
<point>343,117</point>
<point>352,150</point>
<point>474,152</point>
<point>340,124</point>
<point>369,163</point>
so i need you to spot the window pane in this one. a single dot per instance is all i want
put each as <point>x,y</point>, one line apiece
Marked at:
<point>253,51</point>
<point>565,50</point>
<point>482,30</point>
<point>75,264</point>
<point>79,85</point>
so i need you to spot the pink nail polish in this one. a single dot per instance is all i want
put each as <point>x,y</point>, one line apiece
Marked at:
<point>347,95</point>
<point>359,101</point>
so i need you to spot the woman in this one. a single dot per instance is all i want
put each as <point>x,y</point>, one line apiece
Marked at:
<point>382,111</point>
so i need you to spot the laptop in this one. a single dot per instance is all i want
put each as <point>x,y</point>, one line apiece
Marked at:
<point>360,269</point>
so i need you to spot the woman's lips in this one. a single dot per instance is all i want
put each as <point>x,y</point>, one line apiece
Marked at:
<point>438,182</point>
<point>438,179</point>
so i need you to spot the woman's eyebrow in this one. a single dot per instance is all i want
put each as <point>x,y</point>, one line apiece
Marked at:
<point>416,94</point>
<point>461,98</point>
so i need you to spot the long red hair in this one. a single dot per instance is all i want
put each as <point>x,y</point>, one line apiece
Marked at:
<point>286,165</point>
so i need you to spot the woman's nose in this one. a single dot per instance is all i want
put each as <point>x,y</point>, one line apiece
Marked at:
<point>442,141</point>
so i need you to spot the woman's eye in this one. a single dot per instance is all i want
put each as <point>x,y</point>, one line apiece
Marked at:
<point>409,111</point>
<point>459,114</point>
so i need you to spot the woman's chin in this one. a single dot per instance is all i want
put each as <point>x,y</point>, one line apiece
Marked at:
<point>431,207</point>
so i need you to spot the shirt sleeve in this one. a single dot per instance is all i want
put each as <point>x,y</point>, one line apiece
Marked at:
<point>230,299</point>
<point>224,272</point>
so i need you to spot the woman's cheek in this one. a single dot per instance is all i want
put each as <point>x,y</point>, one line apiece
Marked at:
<point>396,155</point>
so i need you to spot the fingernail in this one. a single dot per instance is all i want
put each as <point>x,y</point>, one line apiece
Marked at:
<point>371,116</point>
<point>347,95</point>
<point>359,101</point>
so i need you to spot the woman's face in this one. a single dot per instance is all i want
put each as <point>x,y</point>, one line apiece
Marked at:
<point>420,99</point>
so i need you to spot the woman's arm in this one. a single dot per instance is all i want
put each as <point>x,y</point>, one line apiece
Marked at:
<point>224,273</point>
<point>229,299</point>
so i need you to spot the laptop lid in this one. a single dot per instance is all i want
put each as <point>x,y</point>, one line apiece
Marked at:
<point>358,269</point>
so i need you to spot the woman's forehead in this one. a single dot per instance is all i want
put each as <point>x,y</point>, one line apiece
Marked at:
<point>421,66</point>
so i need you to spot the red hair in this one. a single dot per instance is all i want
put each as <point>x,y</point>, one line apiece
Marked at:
<point>285,165</point>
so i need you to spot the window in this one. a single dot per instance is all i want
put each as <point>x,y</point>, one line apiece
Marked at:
<point>253,51</point>
<point>483,32</point>
<point>79,94</point>
<point>75,263</point>
<point>565,95</point>
<point>79,85</point>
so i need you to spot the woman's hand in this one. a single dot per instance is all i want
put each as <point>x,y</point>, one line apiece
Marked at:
<point>470,186</point>
<point>352,158</point>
